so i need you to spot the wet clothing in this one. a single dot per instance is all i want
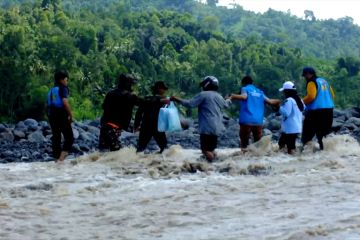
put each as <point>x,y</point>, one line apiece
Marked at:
<point>288,140</point>
<point>208,143</point>
<point>210,117</point>
<point>58,119</point>
<point>245,132</point>
<point>319,112</point>
<point>291,116</point>
<point>317,122</point>
<point>323,98</point>
<point>118,106</point>
<point>252,109</point>
<point>147,118</point>
<point>251,115</point>
<point>109,135</point>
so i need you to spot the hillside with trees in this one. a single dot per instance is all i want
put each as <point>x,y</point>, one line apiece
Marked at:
<point>177,41</point>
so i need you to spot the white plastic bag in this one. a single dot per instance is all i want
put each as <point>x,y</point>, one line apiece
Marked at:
<point>169,120</point>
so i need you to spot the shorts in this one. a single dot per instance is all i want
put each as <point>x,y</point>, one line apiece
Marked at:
<point>109,137</point>
<point>288,140</point>
<point>208,142</point>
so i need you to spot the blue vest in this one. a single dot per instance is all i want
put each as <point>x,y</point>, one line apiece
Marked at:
<point>54,99</point>
<point>323,97</point>
<point>252,109</point>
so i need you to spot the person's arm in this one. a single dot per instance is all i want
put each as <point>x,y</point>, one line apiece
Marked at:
<point>196,101</point>
<point>272,102</point>
<point>138,118</point>
<point>64,94</point>
<point>311,92</point>
<point>67,108</point>
<point>238,97</point>
<point>285,108</point>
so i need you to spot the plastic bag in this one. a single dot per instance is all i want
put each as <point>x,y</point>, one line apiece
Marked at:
<point>169,120</point>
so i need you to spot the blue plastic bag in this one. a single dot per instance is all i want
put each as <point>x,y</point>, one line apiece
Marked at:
<point>169,120</point>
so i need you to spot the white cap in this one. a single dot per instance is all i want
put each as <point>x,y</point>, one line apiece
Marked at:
<point>288,85</point>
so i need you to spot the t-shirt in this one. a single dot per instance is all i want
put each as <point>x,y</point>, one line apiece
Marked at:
<point>148,113</point>
<point>118,106</point>
<point>210,104</point>
<point>291,117</point>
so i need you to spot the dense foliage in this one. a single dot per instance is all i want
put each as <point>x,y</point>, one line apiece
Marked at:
<point>177,41</point>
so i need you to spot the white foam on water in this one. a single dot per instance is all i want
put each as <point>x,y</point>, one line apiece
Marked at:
<point>261,194</point>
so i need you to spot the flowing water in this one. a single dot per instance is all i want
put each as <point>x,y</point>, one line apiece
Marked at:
<point>261,194</point>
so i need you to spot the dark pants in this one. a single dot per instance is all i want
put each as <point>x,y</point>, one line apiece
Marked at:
<point>288,140</point>
<point>109,137</point>
<point>208,143</point>
<point>61,125</point>
<point>246,130</point>
<point>145,137</point>
<point>317,122</point>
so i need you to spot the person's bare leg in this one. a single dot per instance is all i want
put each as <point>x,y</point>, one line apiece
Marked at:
<point>63,155</point>
<point>209,155</point>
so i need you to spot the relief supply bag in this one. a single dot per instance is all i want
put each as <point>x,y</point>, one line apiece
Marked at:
<point>169,120</point>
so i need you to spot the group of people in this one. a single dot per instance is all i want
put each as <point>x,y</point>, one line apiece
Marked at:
<point>317,107</point>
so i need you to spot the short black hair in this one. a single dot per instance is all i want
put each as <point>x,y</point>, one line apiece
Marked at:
<point>60,75</point>
<point>246,80</point>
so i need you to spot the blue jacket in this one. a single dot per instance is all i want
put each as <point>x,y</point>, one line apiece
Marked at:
<point>252,109</point>
<point>323,97</point>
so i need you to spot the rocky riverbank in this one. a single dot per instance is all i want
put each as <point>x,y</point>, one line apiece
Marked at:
<point>30,140</point>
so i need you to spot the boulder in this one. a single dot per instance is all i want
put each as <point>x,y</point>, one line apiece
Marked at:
<point>31,124</point>
<point>19,134</point>
<point>7,136</point>
<point>353,120</point>
<point>2,128</point>
<point>36,137</point>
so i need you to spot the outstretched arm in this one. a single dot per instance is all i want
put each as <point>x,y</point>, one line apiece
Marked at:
<point>238,97</point>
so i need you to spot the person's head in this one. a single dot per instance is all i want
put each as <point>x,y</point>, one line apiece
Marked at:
<point>246,81</point>
<point>309,73</point>
<point>61,77</point>
<point>210,83</point>
<point>288,89</point>
<point>126,81</point>
<point>159,88</point>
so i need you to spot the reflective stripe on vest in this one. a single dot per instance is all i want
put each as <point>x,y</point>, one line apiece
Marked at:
<point>323,97</point>
<point>252,109</point>
<point>54,99</point>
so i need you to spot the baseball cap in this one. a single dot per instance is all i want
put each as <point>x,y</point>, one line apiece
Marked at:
<point>308,70</point>
<point>288,86</point>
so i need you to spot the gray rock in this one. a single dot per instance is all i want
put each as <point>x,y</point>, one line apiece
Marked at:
<point>19,134</point>
<point>353,120</point>
<point>339,114</point>
<point>7,153</point>
<point>85,136</point>
<point>36,137</point>
<point>44,124</point>
<point>337,124</point>
<point>20,125</point>
<point>2,128</point>
<point>94,130</point>
<point>274,125</point>
<point>75,133</point>
<point>7,136</point>
<point>32,124</point>
<point>352,112</point>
